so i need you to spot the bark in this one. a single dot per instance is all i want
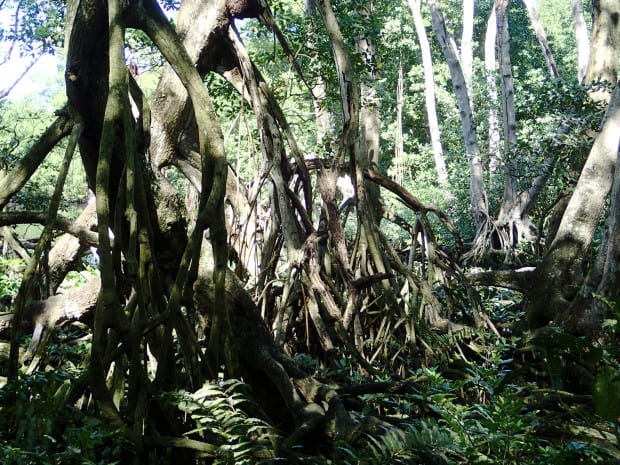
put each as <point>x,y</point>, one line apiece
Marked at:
<point>322,115</point>
<point>75,229</point>
<point>171,109</point>
<point>508,114</point>
<point>429,94</point>
<point>75,305</point>
<point>604,48</point>
<point>477,192</point>
<point>609,287</point>
<point>518,280</point>
<point>399,142</point>
<point>581,38</point>
<point>264,363</point>
<point>69,249</point>
<point>11,243</point>
<point>86,77</point>
<point>467,47</point>
<point>109,313</point>
<point>490,65</point>
<point>370,111</point>
<point>272,150</point>
<point>174,140</point>
<point>600,291</point>
<point>367,247</point>
<point>512,226</point>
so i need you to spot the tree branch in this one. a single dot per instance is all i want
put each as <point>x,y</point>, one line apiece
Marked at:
<point>84,234</point>
<point>517,280</point>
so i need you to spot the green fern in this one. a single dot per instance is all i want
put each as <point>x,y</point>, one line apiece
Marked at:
<point>218,414</point>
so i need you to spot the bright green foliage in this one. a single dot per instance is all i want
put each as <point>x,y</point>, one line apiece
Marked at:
<point>40,26</point>
<point>220,419</point>
<point>11,270</point>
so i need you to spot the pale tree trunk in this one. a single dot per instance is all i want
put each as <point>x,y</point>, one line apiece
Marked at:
<point>322,115</point>
<point>490,65</point>
<point>581,37</point>
<point>542,37</point>
<point>508,111</point>
<point>367,252</point>
<point>603,60</point>
<point>467,53</point>
<point>512,225</point>
<point>470,138</point>
<point>399,145</point>
<point>429,94</point>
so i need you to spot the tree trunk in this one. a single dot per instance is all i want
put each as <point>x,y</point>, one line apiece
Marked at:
<point>490,65</point>
<point>604,48</point>
<point>508,112</point>
<point>609,287</point>
<point>581,37</point>
<point>399,142</point>
<point>512,225</point>
<point>370,111</point>
<point>560,275</point>
<point>477,192</point>
<point>429,94</point>
<point>467,47</point>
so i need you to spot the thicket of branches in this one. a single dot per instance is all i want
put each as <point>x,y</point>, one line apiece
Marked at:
<point>299,277</point>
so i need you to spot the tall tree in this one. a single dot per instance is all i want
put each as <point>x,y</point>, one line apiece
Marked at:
<point>561,272</point>
<point>429,94</point>
<point>478,196</point>
<point>490,65</point>
<point>467,45</point>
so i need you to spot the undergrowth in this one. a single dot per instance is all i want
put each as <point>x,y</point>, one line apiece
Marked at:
<point>520,398</point>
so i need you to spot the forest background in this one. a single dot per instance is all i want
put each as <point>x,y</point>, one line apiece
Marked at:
<point>310,232</point>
